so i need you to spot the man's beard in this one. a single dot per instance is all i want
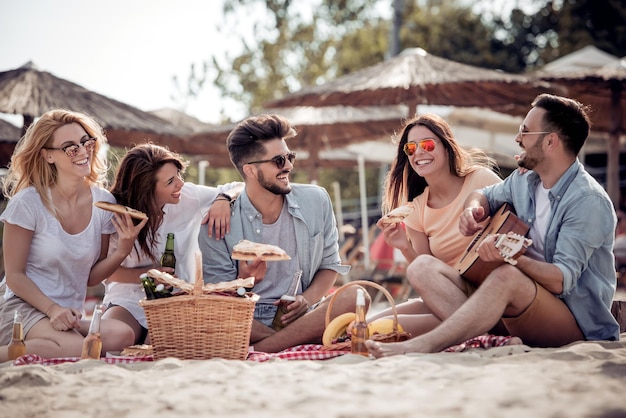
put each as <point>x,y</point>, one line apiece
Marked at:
<point>532,157</point>
<point>272,187</point>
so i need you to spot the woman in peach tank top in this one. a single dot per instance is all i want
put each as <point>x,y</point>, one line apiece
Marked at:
<point>436,174</point>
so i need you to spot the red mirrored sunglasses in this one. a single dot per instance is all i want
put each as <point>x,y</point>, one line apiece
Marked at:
<point>427,145</point>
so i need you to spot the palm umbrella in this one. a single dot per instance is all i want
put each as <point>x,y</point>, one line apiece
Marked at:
<point>9,135</point>
<point>30,92</point>
<point>322,133</point>
<point>603,90</point>
<point>416,77</point>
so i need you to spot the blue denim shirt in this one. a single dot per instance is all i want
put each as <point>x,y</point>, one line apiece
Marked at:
<point>579,241</point>
<point>315,228</point>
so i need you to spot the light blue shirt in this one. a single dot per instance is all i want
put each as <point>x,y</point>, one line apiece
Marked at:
<point>579,241</point>
<point>315,230</point>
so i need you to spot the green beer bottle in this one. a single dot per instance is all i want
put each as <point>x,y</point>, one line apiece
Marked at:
<point>148,286</point>
<point>168,259</point>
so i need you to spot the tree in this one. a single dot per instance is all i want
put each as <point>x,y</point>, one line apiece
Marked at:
<point>291,48</point>
<point>558,27</point>
<point>577,24</point>
<point>294,46</point>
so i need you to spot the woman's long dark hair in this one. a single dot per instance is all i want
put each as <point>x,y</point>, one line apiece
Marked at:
<point>135,182</point>
<point>403,184</point>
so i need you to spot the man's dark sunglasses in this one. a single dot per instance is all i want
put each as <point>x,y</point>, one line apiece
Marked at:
<point>279,160</point>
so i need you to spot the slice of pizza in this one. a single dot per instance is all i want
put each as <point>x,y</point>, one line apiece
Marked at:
<point>138,350</point>
<point>398,214</point>
<point>248,250</point>
<point>117,208</point>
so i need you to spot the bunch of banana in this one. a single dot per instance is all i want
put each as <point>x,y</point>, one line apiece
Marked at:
<point>337,329</point>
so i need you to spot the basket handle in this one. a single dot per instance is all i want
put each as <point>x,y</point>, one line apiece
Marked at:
<point>364,283</point>
<point>197,286</point>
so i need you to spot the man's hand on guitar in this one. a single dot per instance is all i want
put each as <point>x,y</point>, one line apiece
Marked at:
<point>487,250</point>
<point>470,217</point>
<point>503,247</point>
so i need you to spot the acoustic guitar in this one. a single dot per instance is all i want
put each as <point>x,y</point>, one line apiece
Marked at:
<point>512,243</point>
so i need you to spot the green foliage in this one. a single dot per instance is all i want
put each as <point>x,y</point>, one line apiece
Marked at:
<point>453,31</point>
<point>293,49</point>
<point>555,28</point>
<point>579,23</point>
<point>296,44</point>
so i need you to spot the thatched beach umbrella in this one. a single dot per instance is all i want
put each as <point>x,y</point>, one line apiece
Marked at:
<point>604,91</point>
<point>319,129</point>
<point>416,77</point>
<point>30,92</point>
<point>9,135</point>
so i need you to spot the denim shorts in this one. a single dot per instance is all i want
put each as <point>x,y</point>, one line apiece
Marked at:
<point>264,313</point>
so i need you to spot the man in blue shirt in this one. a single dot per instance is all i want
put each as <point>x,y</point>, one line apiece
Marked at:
<point>561,290</point>
<point>295,217</point>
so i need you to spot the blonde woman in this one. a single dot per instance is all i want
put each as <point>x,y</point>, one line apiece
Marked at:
<point>55,240</point>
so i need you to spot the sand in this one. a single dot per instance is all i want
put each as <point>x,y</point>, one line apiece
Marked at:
<point>586,379</point>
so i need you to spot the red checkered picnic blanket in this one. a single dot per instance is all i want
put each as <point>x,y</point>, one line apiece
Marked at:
<point>35,359</point>
<point>299,352</point>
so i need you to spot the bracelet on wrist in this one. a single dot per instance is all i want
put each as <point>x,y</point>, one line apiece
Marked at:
<point>225,196</point>
<point>46,312</point>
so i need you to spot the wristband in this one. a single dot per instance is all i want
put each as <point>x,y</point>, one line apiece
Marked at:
<point>225,195</point>
<point>48,309</point>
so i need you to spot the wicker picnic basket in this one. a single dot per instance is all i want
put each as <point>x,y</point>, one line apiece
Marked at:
<point>394,336</point>
<point>199,325</point>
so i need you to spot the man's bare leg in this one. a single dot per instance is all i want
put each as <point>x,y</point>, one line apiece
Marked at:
<point>259,331</point>
<point>505,292</point>
<point>309,328</point>
<point>442,287</point>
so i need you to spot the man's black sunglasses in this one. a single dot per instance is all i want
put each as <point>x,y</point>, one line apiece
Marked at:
<point>279,160</point>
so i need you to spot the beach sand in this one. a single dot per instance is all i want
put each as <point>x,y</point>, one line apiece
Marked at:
<point>586,379</point>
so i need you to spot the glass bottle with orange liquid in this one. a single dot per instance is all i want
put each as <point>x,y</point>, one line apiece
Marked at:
<point>17,347</point>
<point>92,344</point>
<point>360,333</point>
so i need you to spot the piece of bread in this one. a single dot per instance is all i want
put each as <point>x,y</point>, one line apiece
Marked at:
<point>117,208</point>
<point>398,214</point>
<point>248,250</point>
<point>229,286</point>
<point>139,350</point>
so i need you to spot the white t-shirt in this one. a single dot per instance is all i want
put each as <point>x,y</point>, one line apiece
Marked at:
<point>183,219</point>
<point>59,263</point>
<point>542,216</point>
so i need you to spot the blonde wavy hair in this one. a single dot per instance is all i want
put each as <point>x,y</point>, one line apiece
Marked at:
<point>28,167</point>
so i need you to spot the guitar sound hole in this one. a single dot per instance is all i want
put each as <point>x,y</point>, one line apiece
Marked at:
<point>476,239</point>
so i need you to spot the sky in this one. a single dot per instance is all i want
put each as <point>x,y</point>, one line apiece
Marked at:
<point>128,50</point>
